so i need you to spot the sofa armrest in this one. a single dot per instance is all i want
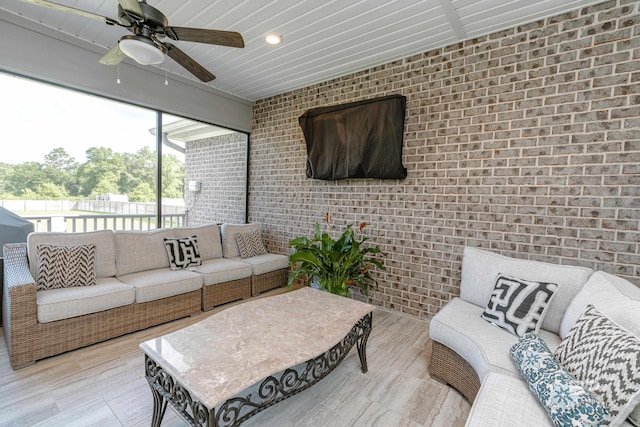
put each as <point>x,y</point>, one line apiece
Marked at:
<point>19,305</point>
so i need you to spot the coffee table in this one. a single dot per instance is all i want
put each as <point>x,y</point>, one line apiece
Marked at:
<point>232,365</point>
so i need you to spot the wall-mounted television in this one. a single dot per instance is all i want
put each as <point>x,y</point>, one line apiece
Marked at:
<point>360,139</point>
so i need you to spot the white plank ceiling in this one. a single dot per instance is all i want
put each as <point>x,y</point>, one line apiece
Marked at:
<point>322,39</point>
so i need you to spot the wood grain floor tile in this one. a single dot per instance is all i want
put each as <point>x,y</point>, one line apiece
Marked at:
<point>104,385</point>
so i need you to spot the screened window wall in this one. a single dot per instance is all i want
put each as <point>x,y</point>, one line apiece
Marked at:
<point>82,162</point>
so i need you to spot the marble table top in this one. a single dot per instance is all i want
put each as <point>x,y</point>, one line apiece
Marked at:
<point>231,350</point>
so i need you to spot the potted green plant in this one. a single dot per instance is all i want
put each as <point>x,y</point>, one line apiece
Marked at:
<point>336,266</point>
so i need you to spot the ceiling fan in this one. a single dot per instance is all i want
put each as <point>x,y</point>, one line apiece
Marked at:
<point>149,26</point>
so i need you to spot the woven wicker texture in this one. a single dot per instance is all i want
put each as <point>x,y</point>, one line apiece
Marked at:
<point>69,334</point>
<point>453,369</point>
<point>28,340</point>
<point>267,281</point>
<point>222,293</point>
<point>15,264</point>
<point>163,310</point>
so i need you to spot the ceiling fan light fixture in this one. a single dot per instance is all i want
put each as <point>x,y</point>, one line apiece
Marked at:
<point>273,38</point>
<point>142,50</point>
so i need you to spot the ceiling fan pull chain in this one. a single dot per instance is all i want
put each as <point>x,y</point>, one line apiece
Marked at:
<point>118,79</point>
<point>166,78</point>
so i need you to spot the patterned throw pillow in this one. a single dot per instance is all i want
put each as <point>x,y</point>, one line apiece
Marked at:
<point>250,244</point>
<point>518,306</point>
<point>564,398</point>
<point>183,253</point>
<point>65,266</point>
<point>606,358</point>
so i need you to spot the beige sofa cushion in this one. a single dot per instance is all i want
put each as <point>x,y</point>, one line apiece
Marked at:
<point>480,269</point>
<point>57,304</point>
<point>613,296</point>
<point>266,263</point>
<point>505,400</point>
<point>138,251</point>
<point>485,346</point>
<point>105,255</point>
<point>229,244</point>
<point>222,270</point>
<point>209,240</point>
<point>161,283</point>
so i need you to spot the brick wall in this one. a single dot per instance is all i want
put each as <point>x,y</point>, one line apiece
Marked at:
<point>525,142</point>
<point>218,163</point>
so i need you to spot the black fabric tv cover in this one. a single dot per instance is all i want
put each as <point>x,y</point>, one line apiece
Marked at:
<point>356,140</point>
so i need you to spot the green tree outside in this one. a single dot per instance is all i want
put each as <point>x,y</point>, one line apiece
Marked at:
<point>60,176</point>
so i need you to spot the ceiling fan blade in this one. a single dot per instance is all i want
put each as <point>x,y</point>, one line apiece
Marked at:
<point>114,56</point>
<point>132,6</point>
<point>188,63</point>
<point>69,9</point>
<point>201,35</point>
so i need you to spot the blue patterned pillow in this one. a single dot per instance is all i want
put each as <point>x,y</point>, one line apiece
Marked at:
<point>564,398</point>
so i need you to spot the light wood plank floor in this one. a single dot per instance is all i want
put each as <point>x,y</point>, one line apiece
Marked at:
<point>104,385</point>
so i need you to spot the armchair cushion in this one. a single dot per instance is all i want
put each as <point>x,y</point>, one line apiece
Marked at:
<point>161,283</point>
<point>58,304</point>
<point>480,269</point>
<point>222,270</point>
<point>267,263</point>
<point>209,240</point>
<point>139,251</point>
<point>505,400</point>
<point>104,241</point>
<point>482,345</point>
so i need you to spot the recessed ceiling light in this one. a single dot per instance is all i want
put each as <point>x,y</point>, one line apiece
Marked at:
<point>273,38</point>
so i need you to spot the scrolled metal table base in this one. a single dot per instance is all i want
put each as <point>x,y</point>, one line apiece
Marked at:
<point>271,390</point>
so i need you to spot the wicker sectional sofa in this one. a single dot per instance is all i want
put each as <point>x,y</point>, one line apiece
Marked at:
<point>473,355</point>
<point>135,286</point>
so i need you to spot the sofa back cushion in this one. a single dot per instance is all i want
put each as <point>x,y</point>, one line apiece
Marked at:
<point>209,240</point>
<point>141,250</point>
<point>613,296</point>
<point>480,270</point>
<point>105,252</point>
<point>229,231</point>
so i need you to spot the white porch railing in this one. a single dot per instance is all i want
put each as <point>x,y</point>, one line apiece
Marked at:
<point>91,222</point>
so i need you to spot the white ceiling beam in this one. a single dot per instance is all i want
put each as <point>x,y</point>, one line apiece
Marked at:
<point>454,19</point>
